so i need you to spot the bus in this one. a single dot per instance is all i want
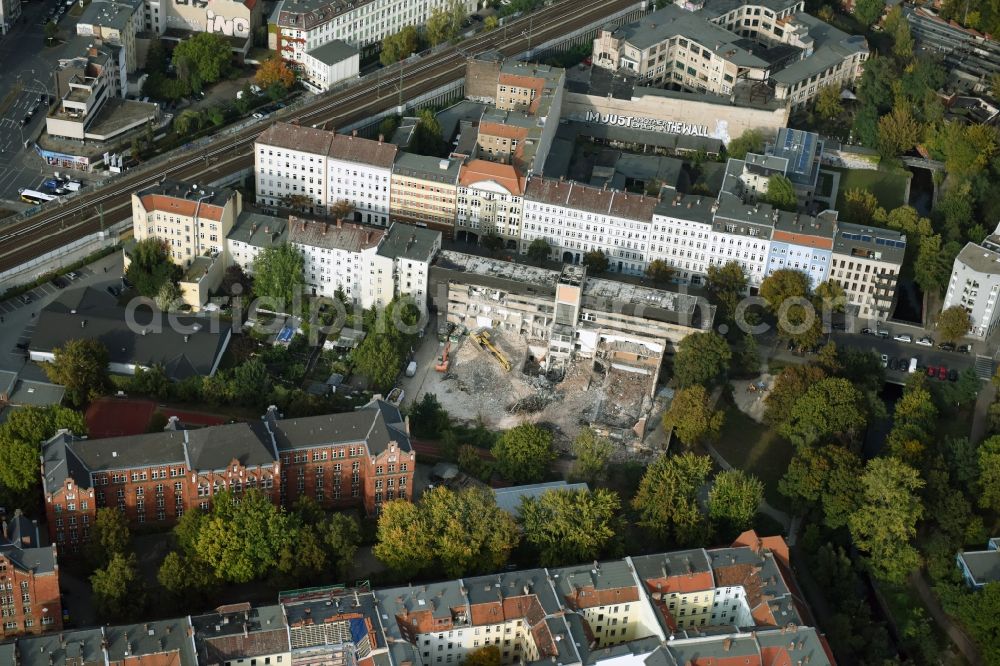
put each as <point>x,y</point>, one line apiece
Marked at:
<point>33,197</point>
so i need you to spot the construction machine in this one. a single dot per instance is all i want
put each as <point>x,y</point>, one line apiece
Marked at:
<point>483,339</point>
<point>443,362</point>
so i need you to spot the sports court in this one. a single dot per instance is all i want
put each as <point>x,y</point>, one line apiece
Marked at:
<point>118,417</point>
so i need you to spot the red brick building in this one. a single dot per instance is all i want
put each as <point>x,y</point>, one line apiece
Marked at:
<point>29,580</point>
<point>361,458</point>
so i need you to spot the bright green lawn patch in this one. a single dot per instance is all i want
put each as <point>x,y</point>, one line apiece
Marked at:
<point>757,449</point>
<point>889,187</point>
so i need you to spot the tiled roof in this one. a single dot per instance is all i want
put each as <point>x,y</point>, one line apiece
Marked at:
<point>506,175</point>
<point>333,235</point>
<point>297,137</point>
<point>570,194</point>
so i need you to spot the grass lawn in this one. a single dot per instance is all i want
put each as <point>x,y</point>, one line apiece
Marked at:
<point>755,448</point>
<point>887,186</point>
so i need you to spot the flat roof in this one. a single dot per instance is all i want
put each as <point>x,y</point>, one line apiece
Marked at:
<point>333,52</point>
<point>882,244</point>
<point>114,14</point>
<point>404,241</point>
<point>424,167</point>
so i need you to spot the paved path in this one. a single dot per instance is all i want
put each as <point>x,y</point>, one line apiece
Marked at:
<point>981,414</point>
<point>960,639</point>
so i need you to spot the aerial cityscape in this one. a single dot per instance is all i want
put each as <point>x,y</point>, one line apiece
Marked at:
<point>499,333</point>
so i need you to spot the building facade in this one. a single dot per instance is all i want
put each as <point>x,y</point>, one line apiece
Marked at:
<point>30,602</point>
<point>114,24</point>
<point>325,66</point>
<point>490,200</point>
<point>424,191</point>
<point>10,12</point>
<point>866,263</point>
<point>975,283</point>
<point>192,221</point>
<point>340,460</point>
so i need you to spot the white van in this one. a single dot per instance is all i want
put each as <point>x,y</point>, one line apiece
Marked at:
<point>73,185</point>
<point>913,365</point>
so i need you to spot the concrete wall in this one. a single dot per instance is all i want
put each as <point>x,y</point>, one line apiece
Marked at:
<point>724,121</point>
<point>195,292</point>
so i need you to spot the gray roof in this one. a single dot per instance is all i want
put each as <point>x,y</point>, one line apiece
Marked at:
<point>239,631</point>
<point>830,47</point>
<point>79,646</point>
<point>259,230</point>
<point>59,462</point>
<point>509,499</point>
<point>130,452</point>
<point>404,241</point>
<point>983,565</point>
<point>158,637</point>
<point>21,546</point>
<point>214,448</point>
<point>7,381</point>
<point>29,393</point>
<point>377,423</point>
<point>870,242</point>
<point>333,52</point>
<point>439,598</point>
<point>675,563</point>
<point>980,258</point>
<point>213,196</point>
<point>435,169</point>
<point>106,14</point>
<point>611,575</point>
<point>489,588</point>
<point>802,150</point>
<point>338,235</point>
<point>184,345</point>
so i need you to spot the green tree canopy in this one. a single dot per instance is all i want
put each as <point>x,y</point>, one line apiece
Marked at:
<point>378,359</point>
<point>81,366</point>
<point>828,104</point>
<point>898,131</point>
<point>539,250</point>
<point>278,273</point>
<point>251,382</point>
<point>734,499</point>
<point>830,409</point>
<point>186,579</point>
<point>489,655</point>
<point>989,474</point>
<point>207,57</point>
<point>691,417</point>
<point>933,264</point>
<point>399,45</point>
<point>953,324</point>
<point>118,591</point>
<point>445,23</point>
<point>568,526</point>
<point>21,437</point>
<point>151,267</point>
<point>667,499</point>
<point>524,453</point>
<point>824,477</point>
<point>781,193</point>
<point>596,262</point>
<point>782,285</point>
<point>660,272</point>
<point>787,293</point>
<point>457,532</point>
<point>751,141</point>
<point>242,535</point>
<point>886,518</point>
<point>702,358</point>
<point>868,11</point>
<point>726,286</point>
<point>592,453</point>
<point>861,207</point>
<point>109,536</point>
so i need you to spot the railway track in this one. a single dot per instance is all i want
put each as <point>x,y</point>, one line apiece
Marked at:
<point>60,225</point>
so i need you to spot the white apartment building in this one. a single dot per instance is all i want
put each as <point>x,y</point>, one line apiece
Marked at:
<point>327,65</point>
<point>299,26</point>
<point>975,285</point>
<point>370,265</point>
<point>290,167</point>
<point>192,221</point>
<point>576,219</point>
<point>867,262</point>
<point>490,200</point>
<point>114,24</point>
<point>359,171</point>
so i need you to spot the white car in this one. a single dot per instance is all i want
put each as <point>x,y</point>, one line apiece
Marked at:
<point>926,342</point>
<point>903,337</point>
<point>885,361</point>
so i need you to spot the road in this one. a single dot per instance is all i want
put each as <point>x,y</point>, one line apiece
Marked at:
<point>926,356</point>
<point>56,226</point>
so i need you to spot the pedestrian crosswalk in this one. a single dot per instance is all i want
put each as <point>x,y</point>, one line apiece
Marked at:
<point>985,367</point>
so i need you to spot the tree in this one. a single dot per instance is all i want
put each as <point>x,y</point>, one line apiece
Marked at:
<point>109,536</point>
<point>427,138</point>
<point>667,500</point>
<point>456,532</point>
<point>340,535</point>
<point>751,141</point>
<point>81,366</point>
<point>167,297</point>
<point>118,592</point>
<point>206,55</point>
<point>783,285</point>
<point>832,408</point>
<point>898,132</point>
<point>568,526</point>
<point>828,104</point>
<point>186,578</point>
<point>953,324</point>
<point>428,419</point>
<point>400,45</point>
<point>151,267</point>
<point>251,382</point>
<point>726,286</point>
<point>691,416</point>
<point>491,23</point>
<point>933,265</point>
<point>790,385</point>
<point>51,32</point>
<point>342,209</point>
<point>660,272</point>
<point>378,359</point>
<point>21,436</point>
<point>781,193</point>
<point>444,23</point>
<point>861,207</point>
<point>824,477</point>
<point>187,121</point>
<point>524,453</point>
<point>491,242</point>
<point>235,282</point>
<point>868,11</point>
<point>989,474</point>
<point>275,72</point>
<point>592,454</point>
<point>702,358</point>
<point>489,655</point>
<point>242,535</point>
<point>539,250</point>
<point>596,262</point>
<point>734,499</point>
<point>830,296</point>
<point>279,274</point>
<point>886,518</point>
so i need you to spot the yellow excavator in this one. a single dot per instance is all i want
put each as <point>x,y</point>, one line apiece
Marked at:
<point>482,338</point>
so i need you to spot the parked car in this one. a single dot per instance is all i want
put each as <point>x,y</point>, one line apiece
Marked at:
<point>113,290</point>
<point>903,337</point>
<point>867,331</point>
<point>893,363</point>
<point>885,361</point>
<point>913,365</point>
<point>73,275</point>
<point>59,282</point>
<point>931,371</point>
<point>942,373</point>
<point>883,334</point>
<point>953,375</point>
<point>964,349</point>
<point>946,346</point>
<point>25,298</point>
<point>926,342</point>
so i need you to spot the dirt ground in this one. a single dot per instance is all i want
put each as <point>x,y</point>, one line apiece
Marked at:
<point>751,402</point>
<point>477,388</point>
